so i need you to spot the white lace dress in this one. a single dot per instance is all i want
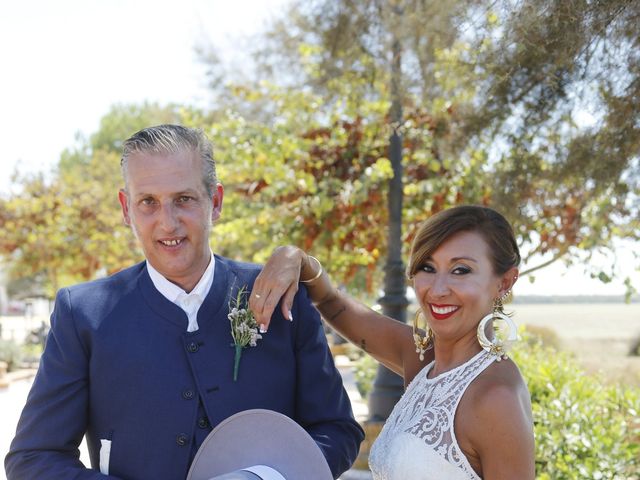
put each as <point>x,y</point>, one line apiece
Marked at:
<point>418,441</point>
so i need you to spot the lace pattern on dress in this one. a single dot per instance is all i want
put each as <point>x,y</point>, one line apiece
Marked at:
<point>426,411</point>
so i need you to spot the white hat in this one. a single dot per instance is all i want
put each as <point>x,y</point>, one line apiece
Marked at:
<point>259,437</point>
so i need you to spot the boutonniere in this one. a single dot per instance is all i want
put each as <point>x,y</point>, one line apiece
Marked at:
<point>244,328</point>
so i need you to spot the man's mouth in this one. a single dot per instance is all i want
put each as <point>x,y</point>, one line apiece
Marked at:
<point>171,243</point>
<point>441,312</point>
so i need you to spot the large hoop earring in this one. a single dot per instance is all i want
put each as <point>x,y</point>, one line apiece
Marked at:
<point>423,343</point>
<point>497,346</point>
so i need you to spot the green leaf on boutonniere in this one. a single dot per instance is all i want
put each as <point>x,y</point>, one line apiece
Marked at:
<point>244,328</point>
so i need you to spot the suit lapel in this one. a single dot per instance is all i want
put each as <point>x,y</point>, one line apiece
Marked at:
<point>216,304</point>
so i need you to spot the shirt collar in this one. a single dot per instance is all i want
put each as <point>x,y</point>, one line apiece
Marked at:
<point>172,292</point>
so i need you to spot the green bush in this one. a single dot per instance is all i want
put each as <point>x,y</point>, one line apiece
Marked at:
<point>585,429</point>
<point>635,348</point>
<point>365,368</point>
<point>11,353</point>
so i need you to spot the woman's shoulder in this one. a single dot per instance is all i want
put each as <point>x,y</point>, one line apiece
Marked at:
<point>498,394</point>
<point>501,383</point>
<point>501,374</point>
<point>494,416</point>
<point>497,397</point>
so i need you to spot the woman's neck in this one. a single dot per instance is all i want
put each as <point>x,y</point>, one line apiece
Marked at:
<point>450,354</point>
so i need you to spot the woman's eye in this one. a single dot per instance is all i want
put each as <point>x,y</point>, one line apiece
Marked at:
<point>427,268</point>
<point>461,270</point>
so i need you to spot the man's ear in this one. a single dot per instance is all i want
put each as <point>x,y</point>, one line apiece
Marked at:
<point>124,203</point>
<point>216,202</point>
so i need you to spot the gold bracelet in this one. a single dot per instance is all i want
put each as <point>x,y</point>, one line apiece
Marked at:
<point>317,275</point>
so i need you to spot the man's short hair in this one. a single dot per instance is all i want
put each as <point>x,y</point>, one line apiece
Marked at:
<point>171,139</point>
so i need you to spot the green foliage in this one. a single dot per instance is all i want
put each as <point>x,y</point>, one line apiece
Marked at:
<point>316,175</point>
<point>635,349</point>
<point>558,89</point>
<point>312,176</point>
<point>365,369</point>
<point>67,228</point>
<point>584,428</point>
<point>630,290</point>
<point>11,353</point>
<point>500,89</point>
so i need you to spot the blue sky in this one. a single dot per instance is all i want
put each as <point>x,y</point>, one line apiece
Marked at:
<point>65,62</point>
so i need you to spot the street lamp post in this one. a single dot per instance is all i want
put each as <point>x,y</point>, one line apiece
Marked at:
<point>388,387</point>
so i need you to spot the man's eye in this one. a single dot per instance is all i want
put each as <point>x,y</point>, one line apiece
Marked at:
<point>147,201</point>
<point>184,199</point>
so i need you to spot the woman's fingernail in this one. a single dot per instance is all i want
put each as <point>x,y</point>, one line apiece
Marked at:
<point>290,317</point>
<point>263,329</point>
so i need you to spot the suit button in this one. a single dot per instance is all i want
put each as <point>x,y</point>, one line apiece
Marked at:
<point>181,440</point>
<point>192,347</point>
<point>203,422</point>
<point>187,394</point>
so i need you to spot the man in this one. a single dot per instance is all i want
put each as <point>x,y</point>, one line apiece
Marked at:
<point>142,362</point>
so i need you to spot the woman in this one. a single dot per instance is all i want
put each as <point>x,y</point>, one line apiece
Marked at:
<point>465,414</point>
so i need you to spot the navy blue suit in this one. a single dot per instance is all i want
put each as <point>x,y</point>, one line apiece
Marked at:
<point>120,366</point>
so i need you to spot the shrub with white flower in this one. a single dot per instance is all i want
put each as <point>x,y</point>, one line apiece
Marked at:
<point>244,328</point>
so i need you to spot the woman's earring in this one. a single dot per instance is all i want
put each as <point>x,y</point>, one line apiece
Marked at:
<point>423,343</point>
<point>500,341</point>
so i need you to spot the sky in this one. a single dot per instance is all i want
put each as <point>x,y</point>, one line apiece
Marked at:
<point>64,63</point>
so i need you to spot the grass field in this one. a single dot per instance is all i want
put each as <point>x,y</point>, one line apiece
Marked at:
<point>601,335</point>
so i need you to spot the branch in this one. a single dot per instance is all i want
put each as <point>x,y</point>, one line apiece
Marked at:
<point>555,258</point>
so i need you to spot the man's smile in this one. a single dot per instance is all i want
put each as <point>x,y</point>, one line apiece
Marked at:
<point>171,243</point>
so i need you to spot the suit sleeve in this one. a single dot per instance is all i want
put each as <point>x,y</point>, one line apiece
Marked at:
<point>322,404</point>
<point>54,418</point>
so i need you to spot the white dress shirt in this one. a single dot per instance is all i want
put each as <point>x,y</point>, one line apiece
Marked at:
<point>189,302</point>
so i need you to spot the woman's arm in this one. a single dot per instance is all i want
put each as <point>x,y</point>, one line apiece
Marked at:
<point>387,340</point>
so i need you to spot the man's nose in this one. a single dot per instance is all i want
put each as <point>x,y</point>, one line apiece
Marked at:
<point>168,217</point>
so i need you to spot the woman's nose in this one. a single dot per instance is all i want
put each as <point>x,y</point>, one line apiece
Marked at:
<point>439,286</point>
<point>431,284</point>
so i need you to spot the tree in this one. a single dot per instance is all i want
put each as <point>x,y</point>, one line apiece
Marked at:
<point>491,93</point>
<point>68,228</point>
<point>574,183</point>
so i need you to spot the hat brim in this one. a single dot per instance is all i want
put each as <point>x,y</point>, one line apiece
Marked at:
<point>260,437</point>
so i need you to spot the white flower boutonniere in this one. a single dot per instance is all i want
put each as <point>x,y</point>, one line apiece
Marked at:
<point>244,328</point>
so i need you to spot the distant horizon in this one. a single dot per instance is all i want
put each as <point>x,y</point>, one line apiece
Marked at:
<point>582,298</point>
